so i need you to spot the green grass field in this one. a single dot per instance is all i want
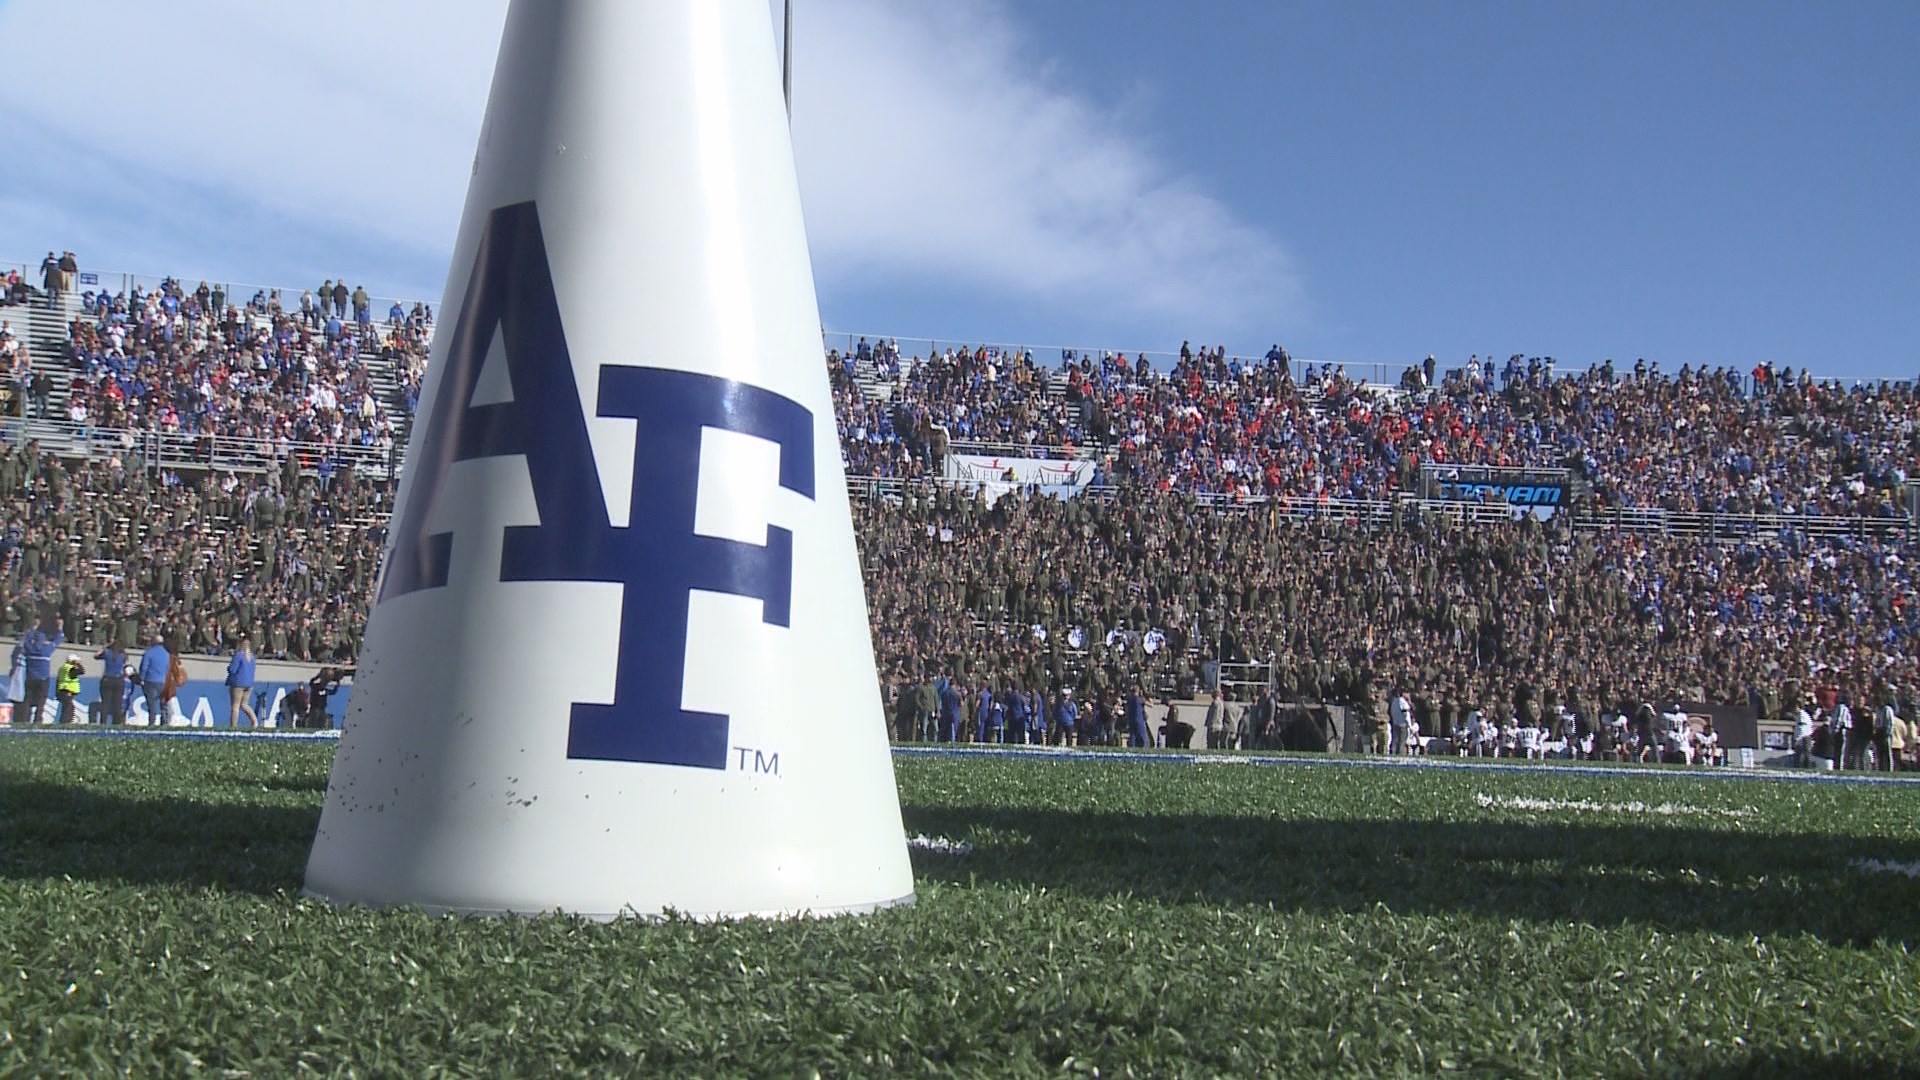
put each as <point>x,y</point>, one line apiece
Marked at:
<point>1120,918</point>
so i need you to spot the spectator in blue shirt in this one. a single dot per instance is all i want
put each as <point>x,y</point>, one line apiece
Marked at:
<point>154,665</point>
<point>951,711</point>
<point>1069,717</point>
<point>1017,718</point>
<point>240,685</point>
<point>1036,705</point>
<point>36,649</point>
<point>1137,719</point>
<point>113,683</point>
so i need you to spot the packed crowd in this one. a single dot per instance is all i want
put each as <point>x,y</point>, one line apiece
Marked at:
<point>1766,442</point>
<point>117,554</point>
<point>198,364</point>
<point>1524,622</point>
<point>1553,640</point>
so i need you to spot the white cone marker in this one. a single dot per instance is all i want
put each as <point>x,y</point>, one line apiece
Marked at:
<point>619,659</point>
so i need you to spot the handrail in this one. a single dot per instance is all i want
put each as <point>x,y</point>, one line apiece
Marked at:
<point>238,292</point>
<point>186,450</point>
<point>1294,508</point>
<point>1050,357</point>
<point>1734,526</point>
<point>1042,451</point>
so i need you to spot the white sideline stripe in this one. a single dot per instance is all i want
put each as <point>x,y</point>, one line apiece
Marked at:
<point>1879,866</point>
<point>267,735</point>
<point>1665,809</point>
<point>1067,753</point>
<point>1328,761</point>
<point>939,845</point>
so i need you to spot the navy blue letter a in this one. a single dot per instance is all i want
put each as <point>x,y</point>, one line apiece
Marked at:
<point>657,557</point>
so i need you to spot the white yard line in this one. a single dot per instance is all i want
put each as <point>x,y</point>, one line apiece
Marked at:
<point>1663,809</point>
<point>939,845</point>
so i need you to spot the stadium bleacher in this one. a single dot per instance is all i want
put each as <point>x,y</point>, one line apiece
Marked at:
<point>179,459</point>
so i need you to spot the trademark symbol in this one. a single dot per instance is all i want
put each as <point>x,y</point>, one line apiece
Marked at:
<point>747,759</point>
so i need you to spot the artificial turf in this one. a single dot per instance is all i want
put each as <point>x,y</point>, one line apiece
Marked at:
<point>1115,917</point>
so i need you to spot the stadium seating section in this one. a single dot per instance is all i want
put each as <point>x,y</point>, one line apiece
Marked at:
<point>210,464</point>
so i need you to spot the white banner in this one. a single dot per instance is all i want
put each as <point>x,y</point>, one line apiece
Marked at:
<point>998,475</point>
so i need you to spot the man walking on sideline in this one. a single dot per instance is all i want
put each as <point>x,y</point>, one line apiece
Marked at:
<point>154,665</point>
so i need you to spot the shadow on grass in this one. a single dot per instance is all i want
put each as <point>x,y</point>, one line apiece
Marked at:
<point>1666,877</point>
<point>53,830</point>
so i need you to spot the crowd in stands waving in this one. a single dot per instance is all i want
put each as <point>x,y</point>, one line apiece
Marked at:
<point>1220,528</point>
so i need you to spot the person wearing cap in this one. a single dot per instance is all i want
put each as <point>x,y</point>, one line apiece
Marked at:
<point>66,686</point>
<point>1068,716</point>
<point>155,663</point>
<point>240,686</point>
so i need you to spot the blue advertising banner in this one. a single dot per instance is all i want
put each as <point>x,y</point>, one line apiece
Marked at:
<point>203,703</point>
<point>1540,492</point>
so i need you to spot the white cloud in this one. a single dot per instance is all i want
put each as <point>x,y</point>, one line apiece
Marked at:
<point>931,143</point>
<point>929,149</point>
<point>344,121</point>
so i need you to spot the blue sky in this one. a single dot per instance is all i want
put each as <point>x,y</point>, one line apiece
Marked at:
<point>1694,182</point>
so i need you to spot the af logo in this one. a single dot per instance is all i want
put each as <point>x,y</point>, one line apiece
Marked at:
<point>657,557</point>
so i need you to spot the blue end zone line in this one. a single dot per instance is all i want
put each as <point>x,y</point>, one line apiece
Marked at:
<point>1070,754</point>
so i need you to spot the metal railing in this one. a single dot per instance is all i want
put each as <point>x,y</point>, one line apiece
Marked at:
<point>1713,525</point>
<point>1025,450</point>
<point>1704,524</point>
<point>185,450</point>
<point>238,293</point>
<point>1052,357</point>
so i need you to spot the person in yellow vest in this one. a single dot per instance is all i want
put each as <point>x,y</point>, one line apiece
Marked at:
<point>1901,734</point>
<point>66,686</point>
